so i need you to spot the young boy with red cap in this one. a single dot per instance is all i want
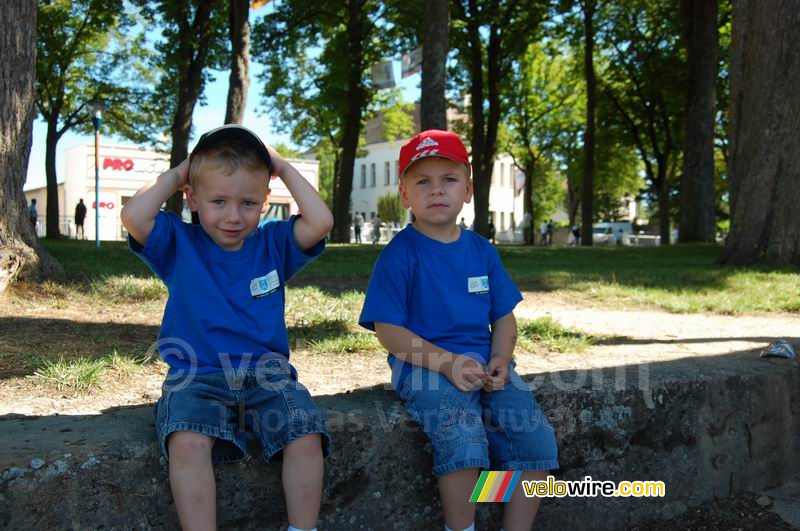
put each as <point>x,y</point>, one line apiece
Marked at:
<point>442,304</point>
<point>223,333</point>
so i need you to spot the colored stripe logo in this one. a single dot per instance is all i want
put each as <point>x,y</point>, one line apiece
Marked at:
<point>495,486</point>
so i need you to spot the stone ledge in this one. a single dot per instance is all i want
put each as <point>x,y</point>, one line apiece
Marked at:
<point>706,427</point>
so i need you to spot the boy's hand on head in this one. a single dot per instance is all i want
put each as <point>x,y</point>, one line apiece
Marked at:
<point>182,171</point>
<point>278,162</point>
<point>466,374</point>
<point>498,374</point>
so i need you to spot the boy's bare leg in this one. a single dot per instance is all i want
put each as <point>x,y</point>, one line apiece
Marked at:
<point>520,511</point>
<point>455,489</point>
<point>302,480</point>
<point>191,477</point>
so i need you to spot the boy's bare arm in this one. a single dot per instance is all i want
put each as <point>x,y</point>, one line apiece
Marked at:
<point>504,340</point>
<point>465,373</point>
<point>316,220</point>
<point>140,211</point>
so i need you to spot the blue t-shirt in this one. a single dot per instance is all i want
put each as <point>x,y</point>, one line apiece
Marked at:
<point>225,308</point>
<point>446,293</point>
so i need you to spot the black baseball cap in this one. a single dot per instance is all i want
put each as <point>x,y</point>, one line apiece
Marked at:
<point>233,132</point>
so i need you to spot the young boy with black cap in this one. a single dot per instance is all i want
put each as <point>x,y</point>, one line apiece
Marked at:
<point>223,332</point>
<point>442,304</point>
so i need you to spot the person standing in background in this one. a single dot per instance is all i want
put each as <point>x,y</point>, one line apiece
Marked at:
<point>33,214</point>
<point>80,216</point>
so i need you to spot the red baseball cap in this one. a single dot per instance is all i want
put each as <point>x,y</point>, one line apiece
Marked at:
<point>433,143</point>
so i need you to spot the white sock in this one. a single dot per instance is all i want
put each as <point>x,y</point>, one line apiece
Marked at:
<point>470,527</point>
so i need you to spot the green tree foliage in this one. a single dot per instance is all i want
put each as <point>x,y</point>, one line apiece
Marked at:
<point>286,151</point>
<point>316,80</point>
<point>390,208</point>
<point>544,109</point>
<point>396,115</point>
<point>489,38</point>
<point>194,36</point>
<point>86,50</point>
<point>644,80</point>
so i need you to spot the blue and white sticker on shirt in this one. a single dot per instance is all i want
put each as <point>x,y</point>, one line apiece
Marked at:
<point>478,285</point>
<point>263,286</point>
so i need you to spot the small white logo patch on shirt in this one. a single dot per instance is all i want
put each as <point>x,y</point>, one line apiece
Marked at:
<point>478,285</point>
<point>263,286</point>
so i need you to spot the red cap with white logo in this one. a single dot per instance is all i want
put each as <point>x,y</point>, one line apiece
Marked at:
<point>433,143</point>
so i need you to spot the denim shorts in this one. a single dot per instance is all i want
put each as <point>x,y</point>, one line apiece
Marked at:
<point>225,405</point>
<point>501,430</point>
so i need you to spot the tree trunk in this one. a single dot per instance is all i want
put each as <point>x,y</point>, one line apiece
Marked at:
<point>527,204</point>
<point>240,61</point>
<point>697,222</point>
<point>662,190</point>
<point>573,202</point>
<point>481,179</point>
<point>343,183</point>
<point>51,210</point>
<point>764,164</point>
<point>21,257</point>
<point>189,89</point>
<point>587,185</point>
<point>435,45</point>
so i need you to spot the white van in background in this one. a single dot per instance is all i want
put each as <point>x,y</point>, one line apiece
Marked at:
<point>607,233</point>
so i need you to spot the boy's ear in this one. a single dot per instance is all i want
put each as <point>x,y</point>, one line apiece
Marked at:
<point>191,197</point>
<point>468,194</point>
<point>265,205</point>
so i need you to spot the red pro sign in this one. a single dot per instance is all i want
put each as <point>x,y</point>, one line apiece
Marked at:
<point>117,164</point>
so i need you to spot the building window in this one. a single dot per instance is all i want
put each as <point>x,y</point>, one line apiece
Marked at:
<point>502,220</point>
<point>363,176</point>
<point>387,174</point>
<point>396,172</point>
<point>372,175</point>
<point>502,174</point>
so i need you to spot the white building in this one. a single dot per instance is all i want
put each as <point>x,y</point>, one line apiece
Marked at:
<point>376,174</point>
<point>123,170</point>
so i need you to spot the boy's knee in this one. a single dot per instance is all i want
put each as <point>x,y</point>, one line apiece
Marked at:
<point>306,447</point>
<point>187,445</point>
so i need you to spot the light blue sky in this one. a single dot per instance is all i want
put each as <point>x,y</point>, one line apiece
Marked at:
<point>204,118</point>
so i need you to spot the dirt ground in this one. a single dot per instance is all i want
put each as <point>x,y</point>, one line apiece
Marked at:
<point>629,338</point>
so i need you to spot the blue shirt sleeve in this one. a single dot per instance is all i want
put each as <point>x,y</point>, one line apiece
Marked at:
<point>282,233</point>
<point>159,251</point>
<point>504,293</point>
<point>387,293</point>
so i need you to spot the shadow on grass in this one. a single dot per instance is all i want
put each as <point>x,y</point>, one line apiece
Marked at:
<point>622,340</point>
<point>25,343</point>
<point>318,331</point>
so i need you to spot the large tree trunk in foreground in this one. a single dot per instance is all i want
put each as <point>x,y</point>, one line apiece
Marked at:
<point>435,45</point>
<point>20,254</point>
<point>697,180</point>
<point>764,164</point>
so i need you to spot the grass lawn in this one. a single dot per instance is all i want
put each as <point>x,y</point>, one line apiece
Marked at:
<point>683,279</point>
<point>96,324</point>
